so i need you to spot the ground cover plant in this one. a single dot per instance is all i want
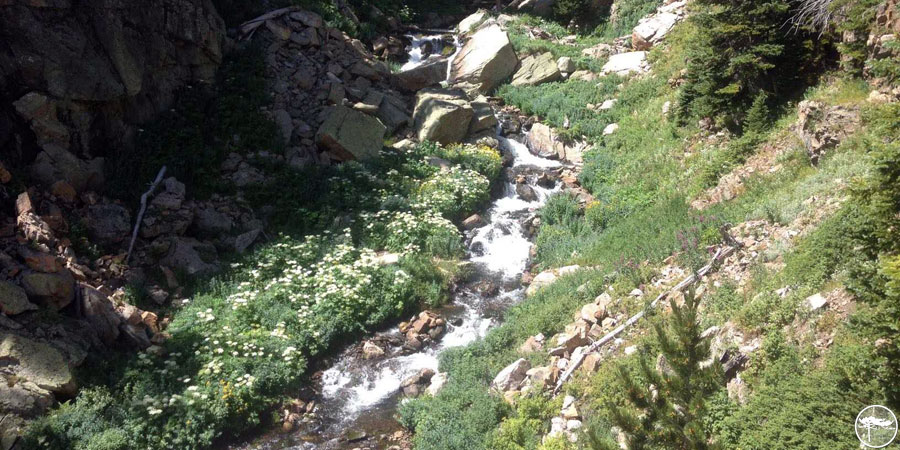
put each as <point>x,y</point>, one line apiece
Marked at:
<point>246,338</point>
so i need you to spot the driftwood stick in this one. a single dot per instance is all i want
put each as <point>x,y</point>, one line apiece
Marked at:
<point>247,28</point>
<point>717,258</point>
<point>140,216</point>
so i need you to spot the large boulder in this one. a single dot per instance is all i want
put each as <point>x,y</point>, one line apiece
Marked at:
<point>626,63</point>
<point>101,314</point>
<point>348,134</point>
<point>428,74</point>
<point>548,277</point>
<point>472,20</point>
<point>442,115</point>
<point>55,163</point>
<point>54,290</point>
<point>191,256</point>
<point>37,362</point>
<point>108,223</point>
<point>485,60</point>
<point>511,376</point>
<point>651,29</point>
<point>537,69</point>
<point>542,141</point>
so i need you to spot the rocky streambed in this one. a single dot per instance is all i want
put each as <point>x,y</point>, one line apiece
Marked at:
<point>354,400</point>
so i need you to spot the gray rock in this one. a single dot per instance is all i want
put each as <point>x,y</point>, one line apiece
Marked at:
<point>172,195</point>
<point>537,70</point>
<point>566,65</point>
<point>423,76</point>
<point>349,134</point>
<point>37,362</point>
<point>191,256</point>
<point>283,121</point>
<point>307,18</point>
<point>55,163</point>
<point>526,192</point>
<point>393,114</point>
<point>212,222</point>
<point>54,290</point>
<point>483,119</point>
<point>108,223</point>
<point>13,299</point>
<point>626,63</point>
<point>512,376</point>
<point>108,65</point>
<point>442,115</point>
<point>243,241</point>
<point>485,60</point>
<point>24,398</point>
<point>101,314</point>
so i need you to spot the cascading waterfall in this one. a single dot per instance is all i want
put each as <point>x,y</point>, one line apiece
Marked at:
<point>356,394</point>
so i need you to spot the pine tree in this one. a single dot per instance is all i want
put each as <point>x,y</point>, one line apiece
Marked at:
<point>745,48</point>
<point>667,406</point>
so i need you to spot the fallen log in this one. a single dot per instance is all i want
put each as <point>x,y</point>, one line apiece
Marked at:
<point>723,252</point>
<point>140,216</point>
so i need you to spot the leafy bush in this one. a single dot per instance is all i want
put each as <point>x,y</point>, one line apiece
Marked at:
<point>628,13</point>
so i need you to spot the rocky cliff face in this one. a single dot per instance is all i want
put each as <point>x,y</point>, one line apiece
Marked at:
<point>79,75</point>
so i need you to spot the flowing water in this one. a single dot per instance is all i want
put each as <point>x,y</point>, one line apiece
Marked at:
<point>358,397</point>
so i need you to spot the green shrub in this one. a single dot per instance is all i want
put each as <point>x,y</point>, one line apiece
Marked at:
<point>743,51</point>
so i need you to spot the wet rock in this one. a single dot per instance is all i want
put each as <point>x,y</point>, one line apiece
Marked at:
<point>511,376</point>
<point>472,222</point>
<point>537,69</point>
<point>485,60</point>
<point>37,362</point>
<point>442,115</point>
<point>526,192</point>
<point>416,384</point>
<point>349,134</point>
<point>426,75</point>
<point>371,350</point>
<point>437,383</point>
<point>355,436</point>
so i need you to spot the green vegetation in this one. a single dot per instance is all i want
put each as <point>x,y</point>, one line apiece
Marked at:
<point>799,394</point>
<point>245,339</point>
<point>667,408</point>
<point>744,56</point>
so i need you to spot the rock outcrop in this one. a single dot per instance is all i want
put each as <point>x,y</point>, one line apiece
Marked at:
<point>86,72</point>
<point>821,127</point>
<point>486,59</point>
<point>652,29</point>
